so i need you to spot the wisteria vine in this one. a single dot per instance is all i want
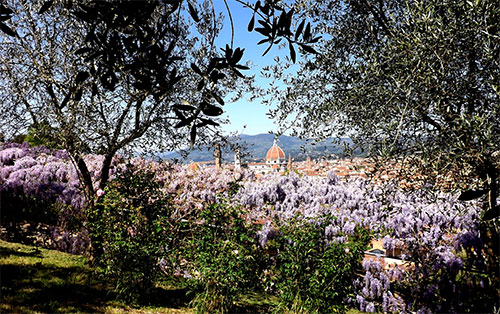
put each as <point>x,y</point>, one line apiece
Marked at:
<point>436,235</point>
<point>430,229</point>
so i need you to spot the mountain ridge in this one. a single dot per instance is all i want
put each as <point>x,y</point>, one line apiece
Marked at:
<point>258,145</point>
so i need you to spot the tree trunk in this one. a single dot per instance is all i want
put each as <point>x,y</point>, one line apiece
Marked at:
<point>96,249</point>
<point>106,165</point>
<point>85,177</point>
<point>95,210</point>
<point>491,176</point>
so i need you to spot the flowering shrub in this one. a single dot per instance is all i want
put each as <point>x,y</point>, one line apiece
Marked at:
<point>191,189</point>
<point>311,273</point>
<point>39,185</point>
<point>36,184</point>
<point>130,223</point>
<point>434,232</point>
<point>42,185</point>
<point>224,258</point>
<point>376,285</point>
<point>447,263</point>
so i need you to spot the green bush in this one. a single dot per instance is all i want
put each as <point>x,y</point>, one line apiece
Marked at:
<point>130,225</point>
<point>44,134</point>
<point>223,256</point>
<point>311,275</point>
<point>21,208</point>
<point>218,249</point>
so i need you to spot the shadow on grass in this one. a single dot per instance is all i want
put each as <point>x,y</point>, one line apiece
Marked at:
<point>6,252</point>
<point>51,289</point>
<point>34,280</point>
<point>172,298</point>
<point>38,286</point>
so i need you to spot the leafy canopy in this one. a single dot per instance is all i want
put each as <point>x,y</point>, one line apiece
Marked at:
<point>416,78</point>
<point>137,75</point>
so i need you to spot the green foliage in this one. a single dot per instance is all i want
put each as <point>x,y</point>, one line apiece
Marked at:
<point>43,134</point>
<point>406,78</point>
<point>312,275</point>
<point>130,224</point>
<point>18,208</point>
<point>297,265</point>
<point>19,138</point>
<point>223,253</point>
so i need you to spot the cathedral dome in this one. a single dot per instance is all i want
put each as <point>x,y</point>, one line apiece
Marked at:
<point>275,153</point>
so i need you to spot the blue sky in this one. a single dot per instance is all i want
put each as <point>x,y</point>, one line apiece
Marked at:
<point>244,113</point>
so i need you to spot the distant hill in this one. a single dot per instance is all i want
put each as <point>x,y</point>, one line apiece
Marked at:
<point>258,145</point>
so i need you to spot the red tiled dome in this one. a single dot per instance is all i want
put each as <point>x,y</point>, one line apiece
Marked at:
<point>275,153</point>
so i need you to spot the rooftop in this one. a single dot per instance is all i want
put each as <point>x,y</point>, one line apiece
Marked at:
<point>275,153</point>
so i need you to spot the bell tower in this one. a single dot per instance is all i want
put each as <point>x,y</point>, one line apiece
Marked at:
<point>217,155</point>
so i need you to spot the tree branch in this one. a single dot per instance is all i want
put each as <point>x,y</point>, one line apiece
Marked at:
<point>379,15</point>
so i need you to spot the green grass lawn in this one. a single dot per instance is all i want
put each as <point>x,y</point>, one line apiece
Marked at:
<point>35,280</point>
<point>45,281</point>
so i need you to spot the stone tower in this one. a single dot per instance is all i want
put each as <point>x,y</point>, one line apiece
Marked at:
<point>237,159</point>
<point>217,155</point>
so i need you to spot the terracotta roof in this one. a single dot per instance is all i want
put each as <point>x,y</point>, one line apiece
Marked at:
<point>257,163</point>
<point>275,152</point>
